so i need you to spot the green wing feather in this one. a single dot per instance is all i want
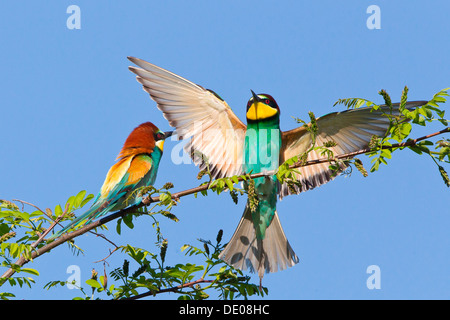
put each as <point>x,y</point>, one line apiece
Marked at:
<point>122,179</point>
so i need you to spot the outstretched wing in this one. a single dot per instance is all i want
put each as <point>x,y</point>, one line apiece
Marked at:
<point>351,130</point>
<point>217,135</point>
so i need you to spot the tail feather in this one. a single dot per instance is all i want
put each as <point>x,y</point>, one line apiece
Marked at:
<point>94,212</point>
<point>245,251</point>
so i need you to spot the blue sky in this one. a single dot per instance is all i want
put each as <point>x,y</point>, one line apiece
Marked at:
<point>69,102</point>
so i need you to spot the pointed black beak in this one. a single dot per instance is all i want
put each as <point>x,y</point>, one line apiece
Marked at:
<point>167,134</point>
<point>255,96</point>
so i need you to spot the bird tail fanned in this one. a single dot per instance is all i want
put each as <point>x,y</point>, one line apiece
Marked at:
<point>245,251</point>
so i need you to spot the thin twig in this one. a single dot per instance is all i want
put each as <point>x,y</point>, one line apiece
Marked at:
<point>30,204</point>
<point>110,252</point>
<point>109,255</point>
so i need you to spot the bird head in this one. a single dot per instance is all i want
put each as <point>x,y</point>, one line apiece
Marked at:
<point>262,106</point>
<point>160,137</point>
<point>143,139</point>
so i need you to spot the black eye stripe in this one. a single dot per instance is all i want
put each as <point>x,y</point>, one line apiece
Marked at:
<point>264,99</point>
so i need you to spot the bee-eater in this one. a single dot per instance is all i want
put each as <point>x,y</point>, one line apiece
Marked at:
<point>224,144</point>
<point>137,166</point>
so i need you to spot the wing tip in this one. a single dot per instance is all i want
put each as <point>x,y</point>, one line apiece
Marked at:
<point>133,59</point>
<point>133,69</point>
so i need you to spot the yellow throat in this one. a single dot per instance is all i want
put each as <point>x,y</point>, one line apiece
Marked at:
<point>260,111</point>
<point>160,144</point>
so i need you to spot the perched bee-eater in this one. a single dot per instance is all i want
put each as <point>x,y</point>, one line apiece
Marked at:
<point>229,147</point>
<point>137,167</point>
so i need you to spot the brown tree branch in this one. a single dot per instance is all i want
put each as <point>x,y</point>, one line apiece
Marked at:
<point>148,200</point>
<point>173,289</point>
<point>366,150</point>
<point>22,260</point>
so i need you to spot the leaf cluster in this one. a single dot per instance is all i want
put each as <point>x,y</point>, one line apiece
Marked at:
<point>144,274</point>
<point>21,234</point>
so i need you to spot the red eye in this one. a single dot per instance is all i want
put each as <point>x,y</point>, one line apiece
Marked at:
<point>267,102</point>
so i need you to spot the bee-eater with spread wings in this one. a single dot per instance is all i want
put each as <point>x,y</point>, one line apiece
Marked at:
<point>137,167</point>
<point>229,147</point>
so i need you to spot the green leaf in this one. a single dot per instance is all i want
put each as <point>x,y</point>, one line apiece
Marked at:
<point>13,249</point>
<point>165,198</point>
<point>416,149</point>
<point>386,153</point>
<point>70,202</point>
<point>58,211</point>
<point>30,271</point>
<point>86,200</point>
<point>406,128</point>
<point>23,215</point>
<point>127,219</point>
<point>425,143</point>
<point>93,283</point>
<point>229,184</point>
<point>119,226</point>
<point>79,198</point>
<point>355,103</point>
